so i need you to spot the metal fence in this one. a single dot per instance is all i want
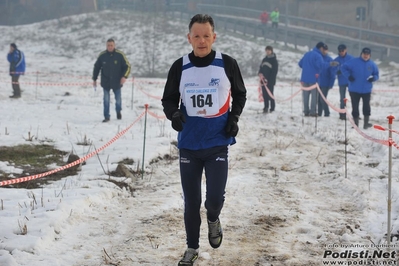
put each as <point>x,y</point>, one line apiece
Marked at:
<point>302,31</point>
<point>291,30</point>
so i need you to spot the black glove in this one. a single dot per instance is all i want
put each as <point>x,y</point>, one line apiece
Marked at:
<point>351,78</point>
<point>370,79</point>
<point>339,72</point>
<point>178,119</point>
<point>232,127</point>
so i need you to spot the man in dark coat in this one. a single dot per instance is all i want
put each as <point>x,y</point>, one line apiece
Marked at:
<point>268,73</point>
<point>115,69</point>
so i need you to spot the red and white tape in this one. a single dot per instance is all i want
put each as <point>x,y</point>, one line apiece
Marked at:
<point>32,177</point>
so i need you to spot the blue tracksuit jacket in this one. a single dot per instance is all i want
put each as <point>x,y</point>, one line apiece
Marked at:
<point>311,63</point>
<point>361,70</point>
<point>342,81</point>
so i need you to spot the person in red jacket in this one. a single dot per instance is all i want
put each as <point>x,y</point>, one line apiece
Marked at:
<point>264,18</point>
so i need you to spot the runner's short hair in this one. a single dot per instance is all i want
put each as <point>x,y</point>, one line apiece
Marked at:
<point>111,40</point>
<point>201,18</point>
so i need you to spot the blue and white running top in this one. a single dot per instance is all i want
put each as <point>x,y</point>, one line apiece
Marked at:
<point>205,96</point>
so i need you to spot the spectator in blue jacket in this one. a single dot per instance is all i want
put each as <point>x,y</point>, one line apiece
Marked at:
<point>361,73</point>
<point>326,82</point>
<point>312,64</point>
<point>17,67</point>
<point>342,58</point>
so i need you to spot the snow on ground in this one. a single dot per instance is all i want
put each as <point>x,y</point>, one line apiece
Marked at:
<point>288,199</point>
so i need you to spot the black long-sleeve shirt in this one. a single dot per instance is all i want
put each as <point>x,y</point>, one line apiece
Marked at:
<point>171,95</point>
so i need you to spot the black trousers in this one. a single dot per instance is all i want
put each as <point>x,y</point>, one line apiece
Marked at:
<point>15,85</point>
<point>355,99</point>
<point>267,98</point>
<point>192,163</point>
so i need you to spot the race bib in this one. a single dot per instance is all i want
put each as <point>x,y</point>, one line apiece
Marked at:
<point>201,101</point>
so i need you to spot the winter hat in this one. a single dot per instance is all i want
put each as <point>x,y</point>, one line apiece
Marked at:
<point>320,45</point>
<point>341,47</point>
<point>13,45</point>
<point>366,50</point>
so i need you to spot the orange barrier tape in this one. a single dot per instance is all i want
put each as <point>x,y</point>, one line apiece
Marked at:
<point>289,98</point>
<point>393,143</point>
<point>32,177</point>
<point>143,81</point>
<point>339,110</point>
<point>31,73</point>
<point>378,127</point>
<point>260,94</point>
<point>150,81</point>
<point>149,95</point>
<point>309,88</point>
<point>156,116</point>
<point>384,90</point>
<point>380,141</point>
<point>255,85</point>
<point>51,83</point>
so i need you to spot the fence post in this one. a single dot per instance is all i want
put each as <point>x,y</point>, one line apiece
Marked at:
<point>390,120</point>
<point>37,82</point>
<point>292,92</point>
<point>346,139</point>
<point>131,102</point>
<point>145,133</point>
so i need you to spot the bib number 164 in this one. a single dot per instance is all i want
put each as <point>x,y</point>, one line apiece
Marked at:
<point>201,100</point>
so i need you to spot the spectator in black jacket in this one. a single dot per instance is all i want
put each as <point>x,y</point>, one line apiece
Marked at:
<point>115,69</point>
<point>268,73</point>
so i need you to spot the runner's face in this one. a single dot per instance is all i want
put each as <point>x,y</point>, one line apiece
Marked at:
<point>201,37</point>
